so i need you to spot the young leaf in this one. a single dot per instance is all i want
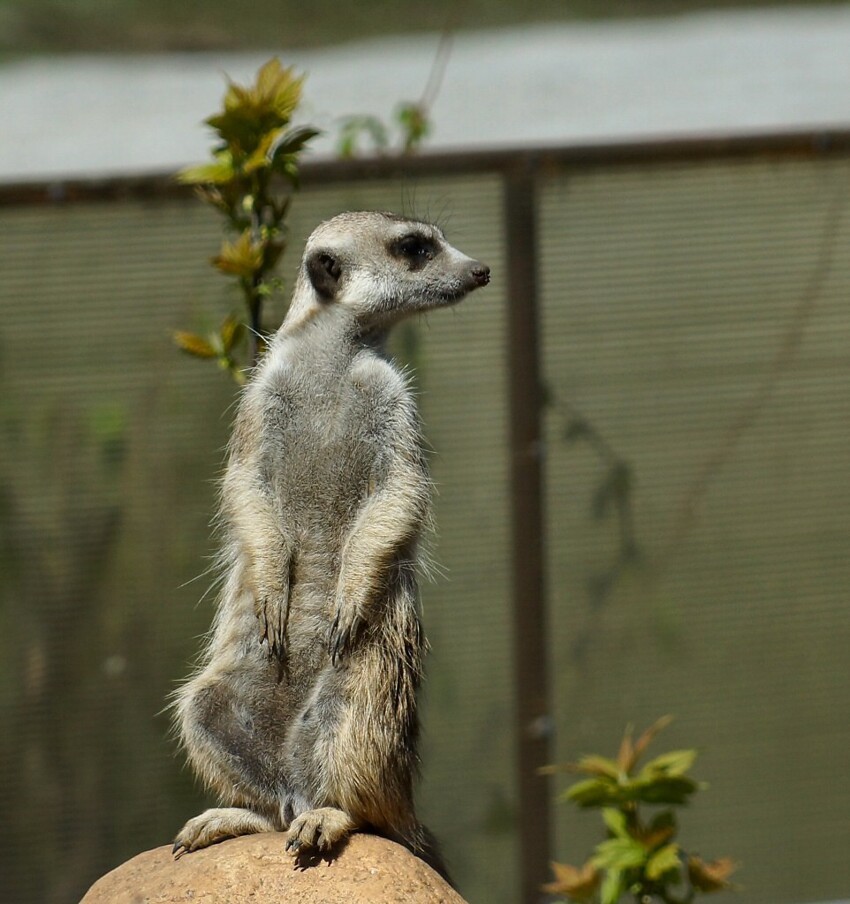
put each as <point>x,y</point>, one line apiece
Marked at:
<point>673,764</point>
<point>660,830</point>
<point>259,157</point>
<point>615,820</point>
<point>613,887</point>
<point>239,132</point>
<point>578,884</point>
<point>664,862</point>
<point>230,332</point>
<point>278,88</point>
<point>674,790</point>
<point>415,125</point>
<point>713,876</point>
<point>293,140</point>
<point>626,754</point>
<point>220,172</point>
<point>353,127</point>
<point>240,258</point>
<point>619,853</point>
<point>594,792</point>
<point>648,736</point>
<point>598,765</point>
<point>226,363</point>
<point>194,345</point>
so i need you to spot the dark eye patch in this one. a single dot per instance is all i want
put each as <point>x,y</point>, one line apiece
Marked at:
<point>414,248</point>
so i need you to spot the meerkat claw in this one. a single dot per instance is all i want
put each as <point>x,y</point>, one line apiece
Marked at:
<point>263,618</point>
<point>338,647</point>
<point>342,635</point>
<point>334,640</point>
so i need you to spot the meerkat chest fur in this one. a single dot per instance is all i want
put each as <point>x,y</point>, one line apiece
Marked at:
<point>336,417</point>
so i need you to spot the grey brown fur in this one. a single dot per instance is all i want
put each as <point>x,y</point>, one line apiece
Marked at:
<point>302,714</point>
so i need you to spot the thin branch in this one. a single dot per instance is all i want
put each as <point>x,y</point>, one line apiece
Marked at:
<point>438,71</point>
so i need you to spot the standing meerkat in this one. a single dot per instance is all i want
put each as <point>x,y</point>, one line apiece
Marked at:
<point>302,714</point>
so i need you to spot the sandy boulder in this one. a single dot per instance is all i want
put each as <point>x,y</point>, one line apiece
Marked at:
<point>256,869</point>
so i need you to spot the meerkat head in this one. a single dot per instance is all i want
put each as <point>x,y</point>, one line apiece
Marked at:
<point>382,267</point>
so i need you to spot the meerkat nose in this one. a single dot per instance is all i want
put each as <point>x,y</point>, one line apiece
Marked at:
<point>480,274</point>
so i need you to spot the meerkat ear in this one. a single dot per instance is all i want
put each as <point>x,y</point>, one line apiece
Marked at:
<point>324,271</point>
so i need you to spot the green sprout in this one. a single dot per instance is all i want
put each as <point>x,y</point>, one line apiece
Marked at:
<point>251,180</point>
<point>640,856</point>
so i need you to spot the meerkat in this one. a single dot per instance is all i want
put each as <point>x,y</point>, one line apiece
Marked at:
<point>302,715</point>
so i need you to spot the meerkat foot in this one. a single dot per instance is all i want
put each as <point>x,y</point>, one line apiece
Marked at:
<point>321,828</point>
<point>216,825</point>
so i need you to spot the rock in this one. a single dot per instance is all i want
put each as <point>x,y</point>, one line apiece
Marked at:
<point>256,869</point>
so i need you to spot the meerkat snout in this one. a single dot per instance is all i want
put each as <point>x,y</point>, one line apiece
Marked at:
<point>480,274</point>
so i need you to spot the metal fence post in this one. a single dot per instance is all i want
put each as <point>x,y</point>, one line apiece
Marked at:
<point>531,684</point>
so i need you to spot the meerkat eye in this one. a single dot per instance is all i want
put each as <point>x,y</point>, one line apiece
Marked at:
<point>415,248</point>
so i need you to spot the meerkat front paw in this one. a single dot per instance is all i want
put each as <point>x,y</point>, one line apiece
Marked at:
<point>216,825</point>
<point>321,828</point>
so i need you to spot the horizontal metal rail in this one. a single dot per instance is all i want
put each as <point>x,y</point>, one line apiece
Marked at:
<point>808,143</point>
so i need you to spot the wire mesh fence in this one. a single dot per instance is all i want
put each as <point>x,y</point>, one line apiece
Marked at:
<point>640,440</point>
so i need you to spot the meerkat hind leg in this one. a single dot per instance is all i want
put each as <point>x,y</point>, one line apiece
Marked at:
<point>321,828</point>
<point>216,825</point>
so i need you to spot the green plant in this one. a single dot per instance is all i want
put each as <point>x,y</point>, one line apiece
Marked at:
<point>250,180</point>
<point>411,121</point>
<point>640,856</point>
